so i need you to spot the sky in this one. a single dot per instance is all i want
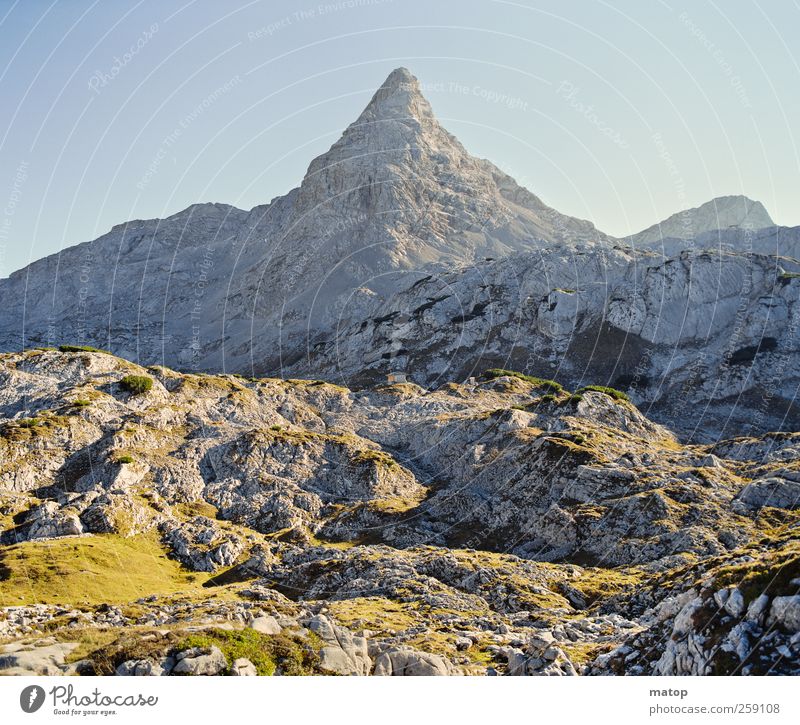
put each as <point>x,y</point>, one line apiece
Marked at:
<point>618,112</point>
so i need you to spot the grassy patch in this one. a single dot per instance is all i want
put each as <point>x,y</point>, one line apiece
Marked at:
<point>610,392</point>
<point>598,583</point>
<point>81,348</point>
<point>94,569</point>
<point>266,652</point>
<point>196,508</point>
<point>770,575</point>
<point>26,428</point>
<point>395,505</point>
<point>30,422</point>
<point>110,648</point>
<point>538,382</point>
<point>376,613</point>
<point>582,653</point>
<point>380,458</point>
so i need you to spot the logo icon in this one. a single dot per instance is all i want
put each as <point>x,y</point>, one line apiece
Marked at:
<point>31,698</point>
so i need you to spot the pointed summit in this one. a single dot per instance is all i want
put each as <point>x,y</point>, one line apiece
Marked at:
<point>387,157</point>
<point>397,191</point>
<point>400,76</point>
<point>399,97</point>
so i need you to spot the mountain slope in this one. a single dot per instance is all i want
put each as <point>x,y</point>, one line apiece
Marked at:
<point>504,526</point>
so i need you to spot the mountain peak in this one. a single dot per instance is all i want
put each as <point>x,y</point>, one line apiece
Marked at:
<point>722,212</point>
<point>398,98</point>
<point>399,77</point>
<point>413,195</point>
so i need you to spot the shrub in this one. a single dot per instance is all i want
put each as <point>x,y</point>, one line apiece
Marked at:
<point>573,399</point>
<point>136,384</point>
<point>81,403</point>
<point>123,459</point>
<point>29,422</point>
<point>81,348</point>
<point>264,651</point>
<point>538,382</point>
<point>610,392</point>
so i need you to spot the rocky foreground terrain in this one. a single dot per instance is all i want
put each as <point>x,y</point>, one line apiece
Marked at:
<point>160,523</point>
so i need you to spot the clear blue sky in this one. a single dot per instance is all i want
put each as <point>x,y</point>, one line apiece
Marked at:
<point>619,112</point>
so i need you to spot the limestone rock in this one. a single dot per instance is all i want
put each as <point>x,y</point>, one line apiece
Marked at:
<point>266,625</point>
<point>200,661</point>
<point>406,662</point>
<point>344,653</point>
<point>44,659</point>
<point>242,667</point>
<point>785,612</point>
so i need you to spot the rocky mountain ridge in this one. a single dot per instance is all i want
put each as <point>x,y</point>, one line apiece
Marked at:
<point>401,253</point>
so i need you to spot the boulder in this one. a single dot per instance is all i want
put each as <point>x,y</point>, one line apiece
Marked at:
<point>785,612</point>
<point>200,661</point>
<point>242,667</point>
<point>29,659</point>
<point>404,661</point>
<point>145,668</point>
<point>777,492</point>
<point>344,653</point>
<point>49,521</point>
<point>266,625</point>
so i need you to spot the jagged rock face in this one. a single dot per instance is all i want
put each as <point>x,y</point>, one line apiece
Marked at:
<point>709,331</point>
<point>424,198</point>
